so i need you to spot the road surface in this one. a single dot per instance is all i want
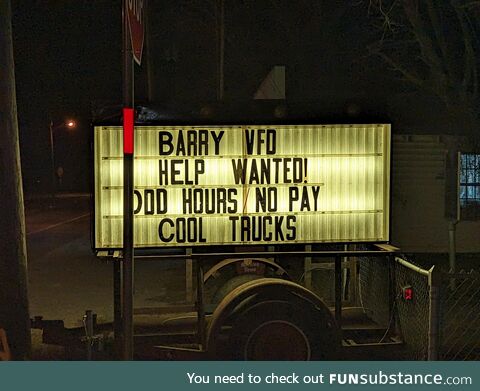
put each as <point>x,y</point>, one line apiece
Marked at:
<point>65,278</point>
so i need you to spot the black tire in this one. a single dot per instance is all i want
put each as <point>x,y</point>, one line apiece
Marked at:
<point>282,330</point>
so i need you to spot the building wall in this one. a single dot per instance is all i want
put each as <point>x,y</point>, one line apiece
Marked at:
<point>418,197</point>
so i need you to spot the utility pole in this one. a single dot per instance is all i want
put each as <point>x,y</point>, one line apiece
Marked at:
<point>14,316</point>
<point>221,48</point>
<point>133,34</point>
<point>151,96</point>
<point>52,164</point>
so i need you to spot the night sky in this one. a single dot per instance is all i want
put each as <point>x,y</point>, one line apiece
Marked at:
<point>67,59</point>
<point>68,65</point>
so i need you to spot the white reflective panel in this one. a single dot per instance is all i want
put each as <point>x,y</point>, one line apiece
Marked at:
<point>246,184</point>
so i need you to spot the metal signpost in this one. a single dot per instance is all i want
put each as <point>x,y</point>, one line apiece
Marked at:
<point>133,36</point>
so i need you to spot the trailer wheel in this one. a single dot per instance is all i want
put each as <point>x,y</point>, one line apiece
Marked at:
<point>270,319</point>
<point>272,331</point>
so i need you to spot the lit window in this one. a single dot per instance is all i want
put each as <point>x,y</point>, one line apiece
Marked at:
<point>470,185</point>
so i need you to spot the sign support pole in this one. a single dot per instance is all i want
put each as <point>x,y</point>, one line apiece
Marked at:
<point>128,130</point>
<point>117,307</point>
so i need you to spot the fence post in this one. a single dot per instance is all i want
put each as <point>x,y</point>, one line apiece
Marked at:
<point>434,283</point>
<point>392,295</point>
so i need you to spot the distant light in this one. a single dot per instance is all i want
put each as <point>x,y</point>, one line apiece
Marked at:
<point>70,124</point>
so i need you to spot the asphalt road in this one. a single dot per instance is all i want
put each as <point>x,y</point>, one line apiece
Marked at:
<point>66,278</point>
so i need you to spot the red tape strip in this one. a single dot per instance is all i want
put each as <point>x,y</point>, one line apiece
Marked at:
<point>128,126</point>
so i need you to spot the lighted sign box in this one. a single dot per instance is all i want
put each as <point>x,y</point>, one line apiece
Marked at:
<point>216,185</point>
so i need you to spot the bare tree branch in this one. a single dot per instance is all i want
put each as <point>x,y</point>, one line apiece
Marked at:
<point>396,66</point>
<point>443,59</point>
<point>424,40</point>
<point>439,34</point>
<point>470,67</point>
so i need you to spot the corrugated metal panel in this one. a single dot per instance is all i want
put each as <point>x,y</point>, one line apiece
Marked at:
<point>418,185</point>
<point>325,184</point>
<point>419,158</point>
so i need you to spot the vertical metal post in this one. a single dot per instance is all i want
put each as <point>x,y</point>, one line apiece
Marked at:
<point>117,307</point>
<point>201,332</point>
<point>307,268</point>
<point>452,245</point>
<point>391,289</point>
<point>88,319</point>
<point>338,290</point>
<point>345,275</point>
<point>150,62</point>
<point>452,250</point>
<point>188,277</point>
<point>391,285</point>
<point>52,162</point>
<point>355,282</point>
<point>434,283</point>
<point>221,47</point>
<point>127,272</point>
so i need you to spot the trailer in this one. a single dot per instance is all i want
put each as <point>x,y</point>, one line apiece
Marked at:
<point>255,212</point>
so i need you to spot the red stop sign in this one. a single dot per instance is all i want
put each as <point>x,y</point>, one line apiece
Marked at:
<point>135,12</point>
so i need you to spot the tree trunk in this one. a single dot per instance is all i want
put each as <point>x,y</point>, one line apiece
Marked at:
<point>14,316</point>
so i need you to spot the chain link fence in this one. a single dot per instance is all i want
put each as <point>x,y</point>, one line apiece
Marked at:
<point>460,316</point>
<point>374,289</point>
<point>412,301</point>
<point>440,319</point>
<point>436,313</point>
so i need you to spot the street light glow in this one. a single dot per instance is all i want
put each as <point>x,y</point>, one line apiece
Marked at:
<point>70,124</point>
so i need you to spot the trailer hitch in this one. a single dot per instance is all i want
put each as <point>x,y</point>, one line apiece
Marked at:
<point>90,336</point>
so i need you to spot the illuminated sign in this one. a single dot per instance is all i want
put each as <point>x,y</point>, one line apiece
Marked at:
<point>214,185</point>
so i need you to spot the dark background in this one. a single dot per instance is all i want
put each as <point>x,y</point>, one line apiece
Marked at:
<point>68,65</point>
